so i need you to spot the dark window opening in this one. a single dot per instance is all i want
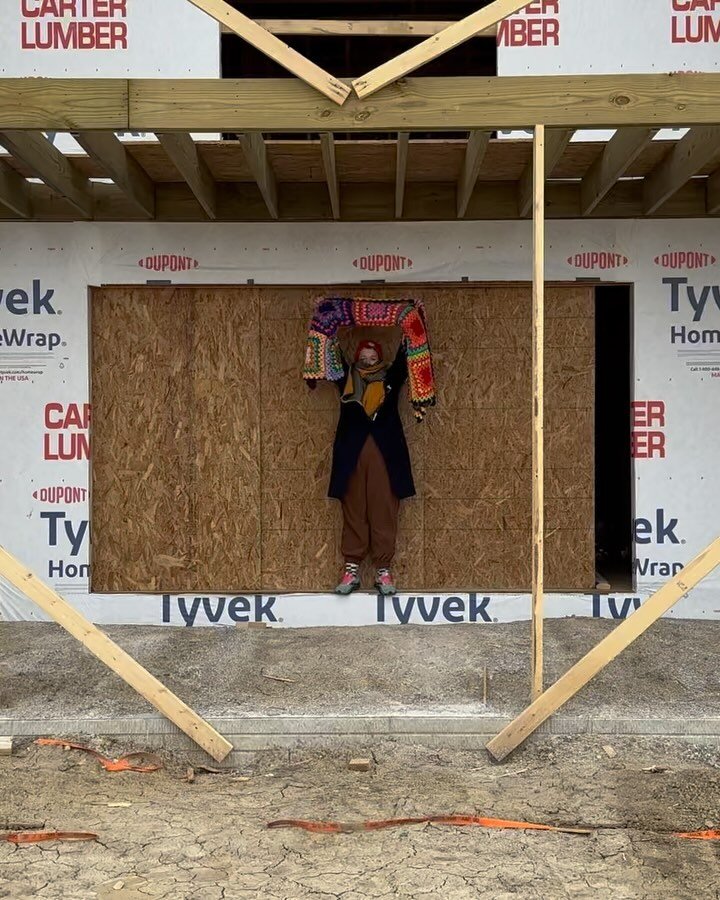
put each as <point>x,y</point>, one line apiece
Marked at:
<point>613,461</point>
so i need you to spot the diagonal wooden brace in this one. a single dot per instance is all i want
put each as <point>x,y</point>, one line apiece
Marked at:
<point>593,662</point>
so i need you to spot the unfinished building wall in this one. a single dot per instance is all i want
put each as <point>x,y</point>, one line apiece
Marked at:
<point>211,457</point>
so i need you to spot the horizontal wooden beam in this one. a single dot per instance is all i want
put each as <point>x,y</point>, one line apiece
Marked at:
<point>273,47</point>
<point>713,194</point>
<point>686,159</point>
<point>616,158</point>
<point>364,202</point>
<point>426,104</point>
<point>14,191</point>
<point>435,46</point>
<point>357,28</point>
<point>604,653</point>
<point>256,155</point>
<point>556,141</point>
<point>119,165</point>
<point>64,104</point>
<point>475,151</point>
<point>49,164</point>
<point>185,157</point>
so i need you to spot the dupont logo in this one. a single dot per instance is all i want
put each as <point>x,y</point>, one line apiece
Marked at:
<point>597,259</point>
<point>685,259</point>
<point>383,262</point>
<point>168,262</point>
<point>61,493</point>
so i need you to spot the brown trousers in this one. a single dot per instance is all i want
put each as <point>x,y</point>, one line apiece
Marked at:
<point>370,510</point>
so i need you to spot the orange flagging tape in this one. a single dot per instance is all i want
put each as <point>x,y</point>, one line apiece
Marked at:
<point>712,835</point>
<point>346,827</point>
<point>122,764</point>
<point>38,837</point>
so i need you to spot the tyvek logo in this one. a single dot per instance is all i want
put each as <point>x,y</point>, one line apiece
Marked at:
<point>383,262</point>
<point>597,259</point>
<point>168,262</point>
<point>61,493</point>
<point>685,259</point>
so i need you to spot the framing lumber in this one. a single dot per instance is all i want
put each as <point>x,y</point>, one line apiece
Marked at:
<point>691,154</point>
<point>327,146</point>
<point>604,652</point>
<point>475,151</point>
<point>713,194</point>
<point>6,746</point>
<point>364,202</point>
<point>256,154</point>
<point>435,46</point>
<point>124,170</point>
<point>357,28</point>
<point>538,370</point>
<point>49,164</point>
<point>192,167</point>
<point>64,104</point>
<point>619,154</point>
<point>273,47</point>
<point>421,104</point>
<point>14,191</point>
<point>402,147</point>
<point>113,656</point>
<point>556,141</point>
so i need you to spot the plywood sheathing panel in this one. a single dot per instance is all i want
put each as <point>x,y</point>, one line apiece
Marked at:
<point>267,522</point>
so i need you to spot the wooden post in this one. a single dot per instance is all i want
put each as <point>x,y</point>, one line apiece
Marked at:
<point>538,314</point>
<point>114,657</point>
<point>604,652</point>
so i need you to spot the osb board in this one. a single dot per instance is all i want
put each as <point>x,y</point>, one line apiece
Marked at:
<point>176,469</point>
<point>258,442</point>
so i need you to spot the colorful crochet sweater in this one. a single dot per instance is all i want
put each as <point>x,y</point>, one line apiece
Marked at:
<point>323,358</point>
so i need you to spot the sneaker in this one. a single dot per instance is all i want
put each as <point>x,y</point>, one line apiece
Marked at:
<point>384,582</point>
<point>351,579</point>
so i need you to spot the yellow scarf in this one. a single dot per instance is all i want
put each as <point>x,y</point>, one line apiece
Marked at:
<point>370,382</point>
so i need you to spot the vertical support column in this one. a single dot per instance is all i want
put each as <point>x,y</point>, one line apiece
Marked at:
<point>538,492</point>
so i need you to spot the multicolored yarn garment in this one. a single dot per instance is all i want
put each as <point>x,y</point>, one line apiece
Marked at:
<point>323,358</point>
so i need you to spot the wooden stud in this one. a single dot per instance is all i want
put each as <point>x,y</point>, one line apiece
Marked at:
<point>6,746</point>
<point>14,191</point>
<point>328,155</point>
<point>423,104</point>
<point>273,47</point>
<point>556,141</point>
<point>605,652</point>
<point>402,147</point>
<point>618,155</point>
<point>256,154</point>
<point>691,154</point>
<point>478,142</point>
<point>49,164</point>
<point>113,656</point>
<point>185,157</point>
<point>357,28</point>
<point>119,165</point>
<point>713,194</point>
<point>435,46</point>
<point>538,368</point>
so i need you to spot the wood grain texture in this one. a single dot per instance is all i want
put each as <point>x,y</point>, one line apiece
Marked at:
<point>224,487</point>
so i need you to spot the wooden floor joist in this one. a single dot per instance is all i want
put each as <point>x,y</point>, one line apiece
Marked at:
<point>113,656</point>
<point>605,652</point>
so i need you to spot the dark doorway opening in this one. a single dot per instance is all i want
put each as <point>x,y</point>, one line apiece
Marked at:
<point>613,460</point>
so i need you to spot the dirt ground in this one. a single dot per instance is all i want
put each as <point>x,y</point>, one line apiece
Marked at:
<point>162,837</point>
<point>669,672</point>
